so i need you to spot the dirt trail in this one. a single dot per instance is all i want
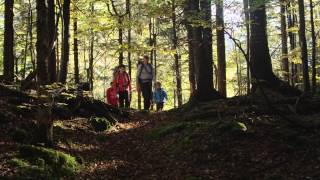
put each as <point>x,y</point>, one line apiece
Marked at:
<point>128,152</point>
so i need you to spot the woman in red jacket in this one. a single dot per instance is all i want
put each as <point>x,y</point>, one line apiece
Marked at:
<point>112,96</point>
<point>123,84</point>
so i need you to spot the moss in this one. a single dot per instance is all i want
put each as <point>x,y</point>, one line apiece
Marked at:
<point>100,124</point>
<point>230,127</point>
<point>102,138</point>
<point>19,162</point>
<point>168,129</point>
<point>46,163</point>
<point>20,135</point>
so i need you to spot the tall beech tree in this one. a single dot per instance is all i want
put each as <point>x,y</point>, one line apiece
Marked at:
<point>42,44</point>
<point>76,51</point>
<point>260,64</point>
<point>52,37</point>
<point>202,48</point>
<point>8,53</point>
<point>314,47</point>
<point>247,24</point>
<point>292,19</point>
<point>303,45</point>
<point>284,41</point>
<point>176,55</point>
<point>221,52</point>
<point>65,46</point>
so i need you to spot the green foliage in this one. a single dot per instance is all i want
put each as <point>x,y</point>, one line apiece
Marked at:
<point>100,124</point>
<point>40,162</point>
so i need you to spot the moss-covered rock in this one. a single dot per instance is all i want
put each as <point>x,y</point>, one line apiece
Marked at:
<point>40,162</point>
<point>100,124</point>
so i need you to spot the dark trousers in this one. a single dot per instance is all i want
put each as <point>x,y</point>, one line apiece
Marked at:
<point>146,89</point>
<point>160,106</point>
<point>124,99</point>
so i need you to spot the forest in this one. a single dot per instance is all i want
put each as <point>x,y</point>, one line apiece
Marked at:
<point>160,89</point>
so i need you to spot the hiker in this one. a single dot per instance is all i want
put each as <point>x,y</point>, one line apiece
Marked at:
<point>123,84</point>
<point>112,96</point>
<point>159,96</point>
<point>145,75</point>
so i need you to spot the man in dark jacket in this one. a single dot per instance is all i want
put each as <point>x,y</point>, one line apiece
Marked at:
<point>145,76</point>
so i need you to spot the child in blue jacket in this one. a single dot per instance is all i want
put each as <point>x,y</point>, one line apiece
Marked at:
<point>159,96</point>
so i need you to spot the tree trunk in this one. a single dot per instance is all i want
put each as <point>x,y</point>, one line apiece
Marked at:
<point>8,56</point>
<point>120,24</point>
<point>314,48</point>
<point>192,79</point>
<point>176,55</point>
<point>155,48</point>
<point>222,77</point>
<point>202,49</point>
<point>42,42</point>
<point>259,50</point>
<point>44,120</point>
<point>247,23</point>
<point>128,9</point>
<point>91,53</point>
<point>66,46</point>
<point>75,51</point>
<point>292,40</point>
<point>260,64</point>
<point>303,45</point>
<point>284,41</point>
<point>52,37</point>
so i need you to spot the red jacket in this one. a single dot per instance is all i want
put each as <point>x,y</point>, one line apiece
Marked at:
<point>112,97</point>
<point>122,82</point>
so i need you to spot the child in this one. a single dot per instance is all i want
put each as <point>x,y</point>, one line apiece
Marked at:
<point>112,97</point>
<point>159,96</point>
<point>123,84</point>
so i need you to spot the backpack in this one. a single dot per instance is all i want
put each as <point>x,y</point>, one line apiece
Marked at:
<point>142,67</point>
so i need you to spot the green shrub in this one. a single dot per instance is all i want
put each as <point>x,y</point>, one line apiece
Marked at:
<point>100,124</point>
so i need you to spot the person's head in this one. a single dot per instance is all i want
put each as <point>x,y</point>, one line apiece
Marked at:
<point>158,85</point>
<point>122,68</point>
<point>145,59</point>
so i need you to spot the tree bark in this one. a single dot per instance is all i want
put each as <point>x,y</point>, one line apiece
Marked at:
<point>260,64</point>
<point>42,42</point>
<point>259,50</point>
<point>66,46</point>
<point>284,41</point>
<point>303,45</point>
<point>192,79</point>
<point>76,51</point>
<point>202,49</point>
<point>120,39</point>
<point>8,44</point>
<point>52,37</point>
<point>221,54</point>
<point>90,74</point>
<point>128,9</point>
<point>292,40</point>
<point>314,48</point>
<point>247,23</point>
<point>176,55</point>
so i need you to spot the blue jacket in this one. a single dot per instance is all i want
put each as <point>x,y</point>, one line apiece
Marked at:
<point>159,96</point>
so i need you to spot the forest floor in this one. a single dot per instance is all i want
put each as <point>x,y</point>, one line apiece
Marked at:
<point>203,143</point>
